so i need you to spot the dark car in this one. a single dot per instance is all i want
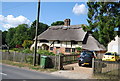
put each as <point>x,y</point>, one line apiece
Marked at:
<point>85,58</point>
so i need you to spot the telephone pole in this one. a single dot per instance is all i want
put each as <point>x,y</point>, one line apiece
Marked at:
<point>37,24</point>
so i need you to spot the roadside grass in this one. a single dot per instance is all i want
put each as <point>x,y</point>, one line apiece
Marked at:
<point>28,66</point>
<point>7,51</point>
<point>104,77</point>
<point>108,75</point>
<point>100,77</point>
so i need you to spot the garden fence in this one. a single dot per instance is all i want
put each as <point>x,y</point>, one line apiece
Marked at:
<point>57,61</point>
<point>106,69</point>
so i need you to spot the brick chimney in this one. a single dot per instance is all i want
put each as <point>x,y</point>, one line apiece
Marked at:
<point>67,22</point>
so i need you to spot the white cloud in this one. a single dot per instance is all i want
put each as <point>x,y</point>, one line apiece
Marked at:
<point>11,21</point>
<point>79,9</point>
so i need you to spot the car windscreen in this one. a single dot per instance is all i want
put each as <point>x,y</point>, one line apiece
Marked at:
<point>87,53</point>
<point>109,54</point>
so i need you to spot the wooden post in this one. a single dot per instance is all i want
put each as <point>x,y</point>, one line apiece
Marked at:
<point>93,66</point>
<point>118,70</point>
<point>39,59</point>
<point>37,25</point>
<point>55,61</point>
<point>14,56</point>
<point>59,62</point>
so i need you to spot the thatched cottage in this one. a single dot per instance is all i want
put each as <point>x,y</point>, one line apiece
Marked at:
<point>66,38</point>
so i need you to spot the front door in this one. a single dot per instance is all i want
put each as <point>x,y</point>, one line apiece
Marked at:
<point>57,50</point>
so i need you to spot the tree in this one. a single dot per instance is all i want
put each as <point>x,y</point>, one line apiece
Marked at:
<point>103,18</point>
<point>27,43</point>
<point>16,36</point>
<point>57,23</point>
<point>31,31</point>
<point>9,37</point>
<point>21,34</point>
<point>4,33</point>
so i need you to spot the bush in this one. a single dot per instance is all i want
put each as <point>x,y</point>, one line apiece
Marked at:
<point>29,59</point>
<point>27,51</point>
<point>78,49</point>
<point>45,52</point>
<point>61,54</point>
<point>73,53</point>
<point>16,49</point>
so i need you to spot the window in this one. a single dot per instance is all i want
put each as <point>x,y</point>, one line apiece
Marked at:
<point>44,41</point>
<point>33,48</point>
<point>109,54</point>
<point>38,47</point>
<point>51,48</point>
<point>74,42</point>
<point>73,49</point>
<point>68,50</point>
<point>58,41</point>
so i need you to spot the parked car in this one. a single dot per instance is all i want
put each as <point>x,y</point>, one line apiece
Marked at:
<point>111,56</point>
<point>85,58</point>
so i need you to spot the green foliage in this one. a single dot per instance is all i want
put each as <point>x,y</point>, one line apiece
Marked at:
<point>57,23</point>
<point>9,37</point>
<point>73,53</point>
<point>103,18</point>
<point>41,28</point>
<point>4,33</point>
<point>29,59</point>
<point>20,34</point>
<point>16,36</point>
<point>78,49</point>
<point>45,52</point>
<point>27,51</point>
<point>61,53</point>
<point>27,43</point>
<point>16,49</point>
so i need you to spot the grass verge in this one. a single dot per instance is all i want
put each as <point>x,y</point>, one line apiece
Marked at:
<point>28,66</point>
<point>102,76</point>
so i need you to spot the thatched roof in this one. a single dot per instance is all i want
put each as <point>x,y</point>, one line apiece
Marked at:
<point>93,44</point>
<point>63,33</point>
<point>71,33</point>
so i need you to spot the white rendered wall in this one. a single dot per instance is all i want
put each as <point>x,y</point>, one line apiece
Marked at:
<point>114,45</point>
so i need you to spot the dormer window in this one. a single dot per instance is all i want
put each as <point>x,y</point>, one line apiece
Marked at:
<point>74,42</point>
<point>58,42</point>
<point>45,41</point>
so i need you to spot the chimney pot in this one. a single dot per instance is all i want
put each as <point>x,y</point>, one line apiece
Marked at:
<point>67,22</point>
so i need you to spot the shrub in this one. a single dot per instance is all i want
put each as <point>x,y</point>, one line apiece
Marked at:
<point>29,59</point>
<point>61,53</point>
<point>73,53</point>
<point>27,51</point>
<point>45,52</point>
<point>15,49</point>
<point>27,43</point>
<point>78,49</point>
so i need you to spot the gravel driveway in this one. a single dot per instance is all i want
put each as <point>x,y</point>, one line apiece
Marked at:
<point>73,71</point>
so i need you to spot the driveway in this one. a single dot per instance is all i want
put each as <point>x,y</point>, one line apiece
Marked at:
<point>73,71</point>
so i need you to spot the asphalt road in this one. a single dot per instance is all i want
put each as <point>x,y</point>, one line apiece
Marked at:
<point>10,72</point>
